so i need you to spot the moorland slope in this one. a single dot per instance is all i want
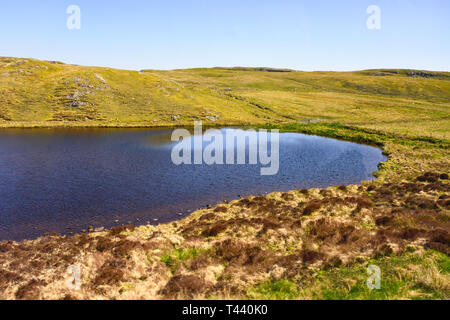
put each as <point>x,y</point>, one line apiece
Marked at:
<point>302,244</point>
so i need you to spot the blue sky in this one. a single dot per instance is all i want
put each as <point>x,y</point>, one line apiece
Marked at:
<point>169,34</point>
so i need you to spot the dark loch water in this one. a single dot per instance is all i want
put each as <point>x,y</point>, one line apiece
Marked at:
<point>64,180</point>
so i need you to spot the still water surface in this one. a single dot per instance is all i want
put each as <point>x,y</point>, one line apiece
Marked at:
<point>64,180</point>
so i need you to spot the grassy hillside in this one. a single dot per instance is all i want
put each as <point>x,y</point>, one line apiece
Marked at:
<point>41,93</point>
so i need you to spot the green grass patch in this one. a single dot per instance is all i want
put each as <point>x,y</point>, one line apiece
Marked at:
<point>417,275</point>
<point>274,290</point>
<point>173,258</point>
<point>413,276</point>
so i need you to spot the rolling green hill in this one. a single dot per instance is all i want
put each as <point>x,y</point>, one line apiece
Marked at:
<point>43,93</point>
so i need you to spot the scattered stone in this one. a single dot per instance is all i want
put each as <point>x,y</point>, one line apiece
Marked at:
<point>306,121</point>
<point>20,62</point>
<point>75,95</point>
<point>76,104</point>
<point>99,77</point>
<point>26,72</point>
<point>212,118</point>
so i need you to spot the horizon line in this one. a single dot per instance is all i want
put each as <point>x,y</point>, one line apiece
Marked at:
<point>236,67</point>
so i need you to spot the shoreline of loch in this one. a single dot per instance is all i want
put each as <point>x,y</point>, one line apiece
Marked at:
<point>111,217</point>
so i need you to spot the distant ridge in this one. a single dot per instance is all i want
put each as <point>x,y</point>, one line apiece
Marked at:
<point>263,69</point>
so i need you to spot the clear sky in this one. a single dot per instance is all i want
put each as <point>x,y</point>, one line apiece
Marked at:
<point>169,34</point>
